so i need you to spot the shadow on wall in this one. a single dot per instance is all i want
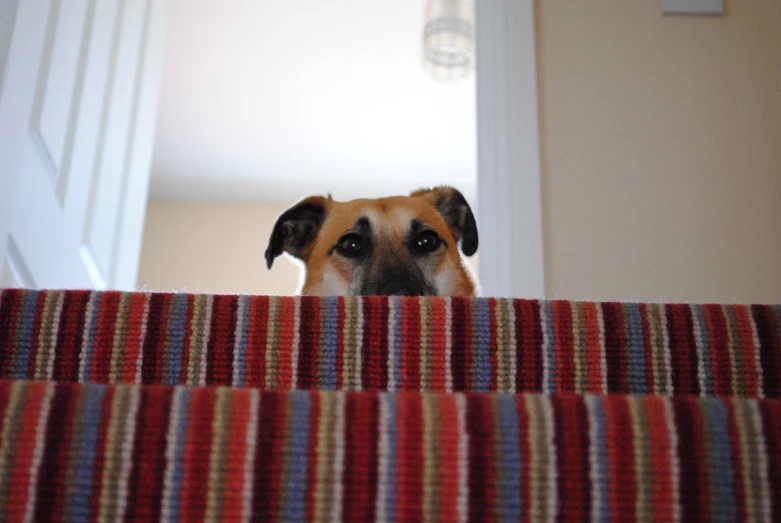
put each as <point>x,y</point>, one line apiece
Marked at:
<point>215,248</point>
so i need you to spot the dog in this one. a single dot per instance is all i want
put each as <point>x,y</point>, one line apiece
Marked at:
<point>394,246</point>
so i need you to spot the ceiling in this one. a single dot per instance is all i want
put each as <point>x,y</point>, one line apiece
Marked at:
<point>273,101</point>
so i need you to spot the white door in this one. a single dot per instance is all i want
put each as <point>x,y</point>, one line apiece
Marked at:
<point>78,100</point>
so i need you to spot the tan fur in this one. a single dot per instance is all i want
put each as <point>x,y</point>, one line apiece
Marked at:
<point>390,219</point>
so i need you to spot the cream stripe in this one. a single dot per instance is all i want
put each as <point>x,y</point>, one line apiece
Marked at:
<point>142,338</point>
<point>550,448</point>
<point>249,458</point>
<point>463,459</point>
<point>170,454</point>
<point>127,451</point>
<point>759,450</point>
<point>272,342</point>
<point>753,457</point>
<point>40,438</point>
<point>120,405</point>
<point>697,328</point>
<point>348,332</point>
<point>593,458</point>
<point>296,340</point>
<point>51,346</point>
<point>383,457</point>
<point>675,465</point>
<point>10,435</point>
<point>325,456</point>
<point>85,339</point>
<point>50,301</point>
<point>120,336</point>
<point>425,344</point>
<point>215,497</point>
<point>547,347</point>
<point>336,507</point>
<point>448,344</point>
<point>579,347</point>
<point>755,348</point>
<point>501,350</point>
<point>513,346</point>
<point>205,338</point>
<point>359,345</point>
<point>668,372</point>
<point>194,360</point>
<point>602,356</point>
<point>644,501</point>
<point>238,337</point>
<point>733,347</point>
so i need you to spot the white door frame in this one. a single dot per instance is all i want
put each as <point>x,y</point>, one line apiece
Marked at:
<point>508,150</point>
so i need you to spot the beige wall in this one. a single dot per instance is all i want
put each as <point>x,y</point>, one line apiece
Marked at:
<point>213,247</point>
<point>661,150</point>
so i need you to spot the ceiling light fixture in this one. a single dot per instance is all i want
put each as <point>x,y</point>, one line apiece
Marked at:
<point>448,39</point>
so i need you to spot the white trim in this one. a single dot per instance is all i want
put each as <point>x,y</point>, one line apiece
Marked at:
<point>508,150</point>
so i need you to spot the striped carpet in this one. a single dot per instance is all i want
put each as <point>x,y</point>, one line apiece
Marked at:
<point>182,407</point>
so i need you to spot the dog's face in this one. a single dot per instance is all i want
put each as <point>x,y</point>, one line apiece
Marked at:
<point>403,245</point>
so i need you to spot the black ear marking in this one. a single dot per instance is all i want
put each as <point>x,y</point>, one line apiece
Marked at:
<point>454,208</point>
<point>296,228</point>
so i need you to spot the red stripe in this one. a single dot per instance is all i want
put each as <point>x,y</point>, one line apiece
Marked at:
<point>564,345</point>
<point>374,371</point>
<point>493,343</point>
<point>360,462</point>
<point>237,450</point>
<point>19,488</point>
<point>100,454</point>
<point>132,350</point>
<point>257,337</point>
<point>312,462</point>
<point>593,349</point>
<point>410,344</point>
<point>747,352</point>
<point>719,345</point>
<point>272,425</point>
<point>528,340</point>
<point>438,337</point>
<point>693,482</point>
<point>615,348</point>
<point>187,349</point>
<point>770,410</point>
<point>56,453</point>
<point>69,336</point>
<point>482,461</point>
<point>769,334</point>
<point>661,458</point>
<point>103,344</point>
<point>154,344</point>
<point>409,465</point>
<point>683,349</point>
<point>197,452</point>
<point>738,487</point>
<point>285,338</point>
<point>145,485</point>
<point>449,468</point>
<point>571,439</point>
<point>309,346</point>
<point>622,488</point>
<point>460,353</point>
<point>9,319</point>
<point>219,367</point>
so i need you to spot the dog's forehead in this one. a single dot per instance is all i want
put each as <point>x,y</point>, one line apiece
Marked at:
<point>393,214</point>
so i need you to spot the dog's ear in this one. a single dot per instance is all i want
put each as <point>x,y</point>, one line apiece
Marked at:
<point>297,228</point>
<point>453,207</point>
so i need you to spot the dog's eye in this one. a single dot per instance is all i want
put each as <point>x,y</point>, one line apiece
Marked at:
<point>351,246</point>
<point>425,243</point>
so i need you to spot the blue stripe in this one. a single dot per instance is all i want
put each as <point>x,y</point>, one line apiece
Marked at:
<point>25,333</point>
<point>719,460</point>
<point>483,327</point>
<point>241,362</point>
<point>551,355</point>
<point>395,304</point>
<point>93,328</point>
<point>176,331</point>
<point>635,345</point>
<point>706,355</point>
<point>92,408</point>
<point>510,464</point>
<point>330,313</point>
<point>177,478</point>
<point>393,438</point>
<point>600,441</point>
<point>297,463</point>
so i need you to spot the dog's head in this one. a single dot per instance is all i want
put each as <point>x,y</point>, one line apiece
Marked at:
<point>402,245</point>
